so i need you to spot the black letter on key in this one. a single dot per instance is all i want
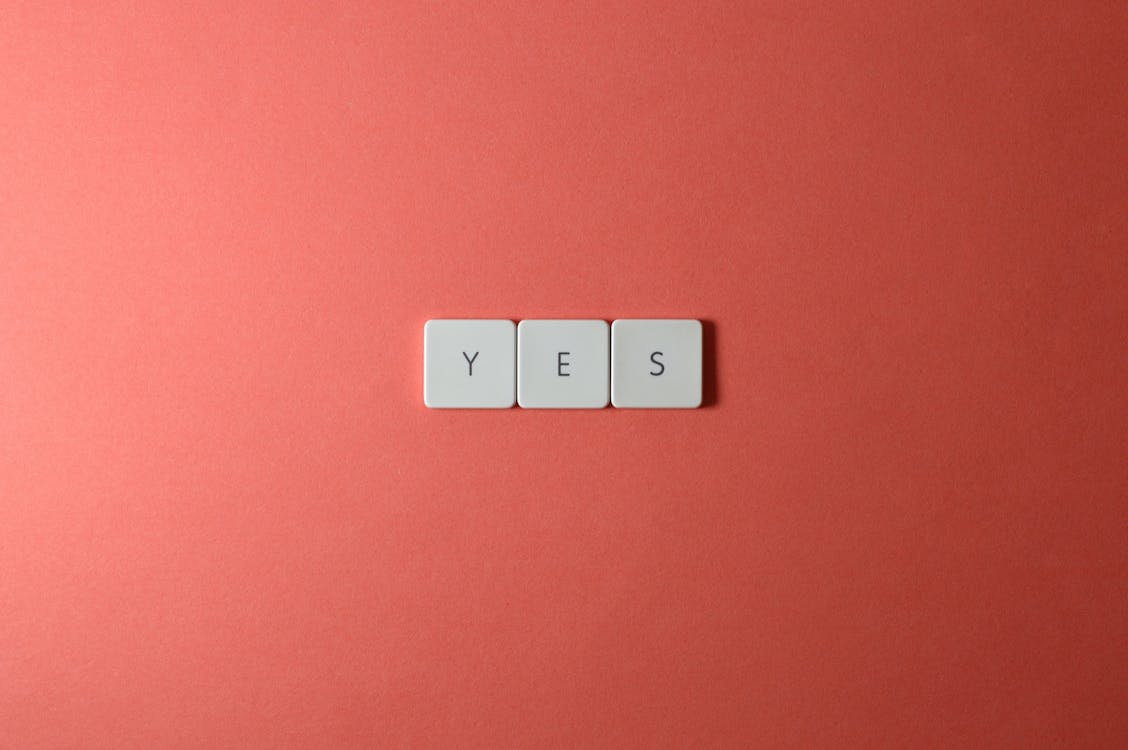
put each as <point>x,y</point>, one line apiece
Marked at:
<point>470,361</point>
<point>561,364</point>
<point>662,366</point>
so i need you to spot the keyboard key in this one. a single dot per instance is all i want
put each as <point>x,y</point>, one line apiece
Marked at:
<point>469,364</point>
<point>656,364</point>
<point>563,364</point>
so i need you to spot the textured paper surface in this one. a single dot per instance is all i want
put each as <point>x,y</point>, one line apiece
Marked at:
<point>227,520</point>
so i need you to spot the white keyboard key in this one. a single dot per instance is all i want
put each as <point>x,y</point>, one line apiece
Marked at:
<point>469,364</point>
<point>563,364</point>
<point>656,364</point>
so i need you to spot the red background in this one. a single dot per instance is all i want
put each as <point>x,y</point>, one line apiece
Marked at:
<point>227,520</point>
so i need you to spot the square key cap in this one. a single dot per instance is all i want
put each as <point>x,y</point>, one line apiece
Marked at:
<point>656,364</point>
<point>469,364</point>
<point>563,364</point>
